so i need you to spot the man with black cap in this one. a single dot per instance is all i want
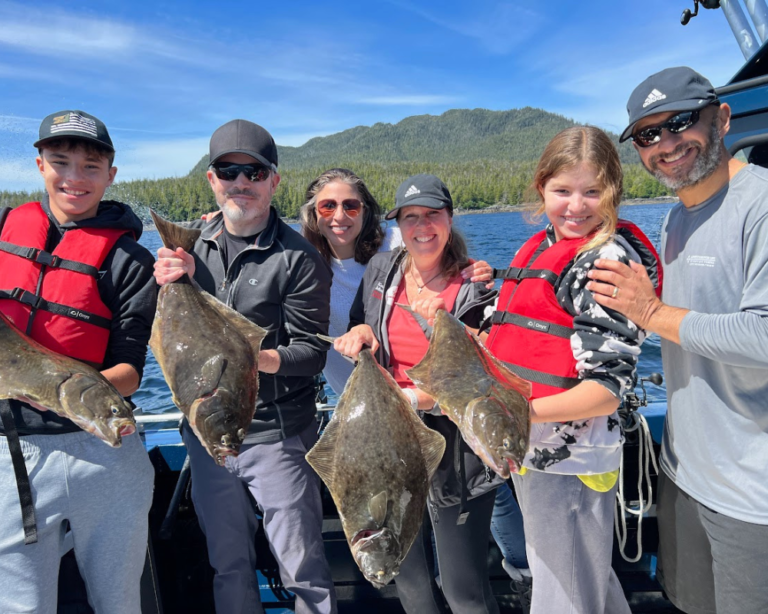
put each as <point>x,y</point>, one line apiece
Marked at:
<point>73,277</point>
<point>255,263</point>
<point>713,495</point>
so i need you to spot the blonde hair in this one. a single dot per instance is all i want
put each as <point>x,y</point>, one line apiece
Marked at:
<point>590,145</point>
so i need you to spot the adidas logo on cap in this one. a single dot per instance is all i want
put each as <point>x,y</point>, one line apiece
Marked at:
<point>654,96</point>
<point>411,191</point>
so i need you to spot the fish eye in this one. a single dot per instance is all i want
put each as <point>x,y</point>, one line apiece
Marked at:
<point>507,443</point>
<point>241,434</point>
<point>114,410</point>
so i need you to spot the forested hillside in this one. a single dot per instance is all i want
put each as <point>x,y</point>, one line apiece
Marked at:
<point>485,158</point>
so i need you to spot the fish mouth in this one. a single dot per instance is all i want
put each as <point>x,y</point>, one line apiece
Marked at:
<point>123,427</point>
<point>221,452</point>
<point>365,537</point>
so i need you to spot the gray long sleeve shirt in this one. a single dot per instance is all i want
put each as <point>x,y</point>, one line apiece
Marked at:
<point>716,264</point>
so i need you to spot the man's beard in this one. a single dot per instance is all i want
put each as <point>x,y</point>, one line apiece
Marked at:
<point>234,212</point>
<point>707,160</point>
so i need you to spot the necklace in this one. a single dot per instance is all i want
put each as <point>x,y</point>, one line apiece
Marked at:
<point>419,288</point>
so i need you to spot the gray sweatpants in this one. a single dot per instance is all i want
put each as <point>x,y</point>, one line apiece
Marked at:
<point>569,542</point>
<point>709,562</point>
<point>288,493</point>
<point>104,494</point>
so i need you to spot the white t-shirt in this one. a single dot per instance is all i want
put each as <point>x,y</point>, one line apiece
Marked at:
<point>347,275</point>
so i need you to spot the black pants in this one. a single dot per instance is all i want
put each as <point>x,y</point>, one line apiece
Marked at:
<point>462,553</point>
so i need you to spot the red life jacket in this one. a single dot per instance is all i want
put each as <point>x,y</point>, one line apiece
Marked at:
<point>53,297</point>
<point>531,331</point>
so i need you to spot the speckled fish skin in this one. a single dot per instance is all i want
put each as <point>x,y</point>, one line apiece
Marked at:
<point>478,393</point>
<point>68,387</point>
<point>208,354</point>
<point>377,459</point>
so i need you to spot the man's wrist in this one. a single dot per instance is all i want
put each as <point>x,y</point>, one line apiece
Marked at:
<point>410,394</point>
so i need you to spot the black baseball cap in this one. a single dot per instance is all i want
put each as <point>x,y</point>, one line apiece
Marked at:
<point>74,124</point>
<point>242,136</point>
<point>422,191</point>
<point>673,89</point>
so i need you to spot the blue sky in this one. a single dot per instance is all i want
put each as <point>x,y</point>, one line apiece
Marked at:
<point>164,74</point>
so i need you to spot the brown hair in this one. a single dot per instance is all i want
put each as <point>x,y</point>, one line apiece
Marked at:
<point>70,144</point>
<point>455,254</point>
<point>371,234</point>
<point>577,145</point>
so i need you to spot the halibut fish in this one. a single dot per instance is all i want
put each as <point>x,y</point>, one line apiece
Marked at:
<point>72,389</point>
<point>377,459</point>
<point>486,401</point>
<point>209,355</point>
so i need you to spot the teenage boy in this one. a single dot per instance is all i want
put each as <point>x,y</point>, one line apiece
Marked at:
<point>73,277</point>
<point>713,322</point>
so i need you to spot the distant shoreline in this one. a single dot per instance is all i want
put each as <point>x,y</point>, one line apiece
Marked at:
<point>516,208</point>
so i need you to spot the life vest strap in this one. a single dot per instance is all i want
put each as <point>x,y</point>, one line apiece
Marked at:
<point>547,379</point>
<point>26,501</point>
<point>516,273</point>
<point>504,317</point>
<point>37,302</point>
<point>42,257</point>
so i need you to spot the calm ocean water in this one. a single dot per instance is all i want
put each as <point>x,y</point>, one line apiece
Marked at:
<point>493,237</point>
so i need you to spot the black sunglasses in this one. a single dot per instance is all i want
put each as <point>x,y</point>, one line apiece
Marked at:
<point>227,171</point>
<point>675,124</point>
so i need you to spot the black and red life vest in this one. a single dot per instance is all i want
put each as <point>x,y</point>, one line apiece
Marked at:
<point>531,331</point>
<point>54,297</point>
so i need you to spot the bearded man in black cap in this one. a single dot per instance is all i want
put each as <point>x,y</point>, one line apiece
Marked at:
<point>255,263</point>
<point>713,320</point>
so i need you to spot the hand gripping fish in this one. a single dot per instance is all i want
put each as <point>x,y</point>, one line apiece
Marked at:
<point>477,392</point>
<point>209,355</point>
<point>377,459</point>
<point>70,388</point>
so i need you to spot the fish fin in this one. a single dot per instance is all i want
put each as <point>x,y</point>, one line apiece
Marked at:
<point>252,332</point>
<point>504,373</point>
<point>175,235</point>
<point>420,320</point>
<point>432,447</point>
<point>377,507</point>
<point>321,456</point>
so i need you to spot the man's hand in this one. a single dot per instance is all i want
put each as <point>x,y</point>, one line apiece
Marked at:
<point>269,361</point>
<point>350,344</point>
<point>626,289</point>
<point>171,265</point>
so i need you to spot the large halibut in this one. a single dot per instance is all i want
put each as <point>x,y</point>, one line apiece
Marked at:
<point>68,387</point>
<point>377,459</point>
<point>209,355</point>
<point>478,393</point>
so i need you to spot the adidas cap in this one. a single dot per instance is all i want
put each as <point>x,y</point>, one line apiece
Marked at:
<point>422,191</point>
<point>673,89</point>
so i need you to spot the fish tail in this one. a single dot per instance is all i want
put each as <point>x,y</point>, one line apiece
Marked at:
<point>174,235</point>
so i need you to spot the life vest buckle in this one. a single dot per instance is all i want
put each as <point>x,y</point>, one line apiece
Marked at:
<point>26,297</point>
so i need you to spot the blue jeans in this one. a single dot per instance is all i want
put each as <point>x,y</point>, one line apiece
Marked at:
<point>507,527</point>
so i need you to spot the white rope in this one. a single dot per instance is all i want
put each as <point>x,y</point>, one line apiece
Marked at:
<point>645,458</point>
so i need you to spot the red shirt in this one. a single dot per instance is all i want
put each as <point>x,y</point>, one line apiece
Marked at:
<point>406,339</point>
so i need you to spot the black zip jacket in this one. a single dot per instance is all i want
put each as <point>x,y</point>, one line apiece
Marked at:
<point>282,284</point>
<point>126,285</point>
<point>380,281</point>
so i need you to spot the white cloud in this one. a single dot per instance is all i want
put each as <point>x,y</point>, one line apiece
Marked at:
<point>415,100</point>
<point>498,27</point>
